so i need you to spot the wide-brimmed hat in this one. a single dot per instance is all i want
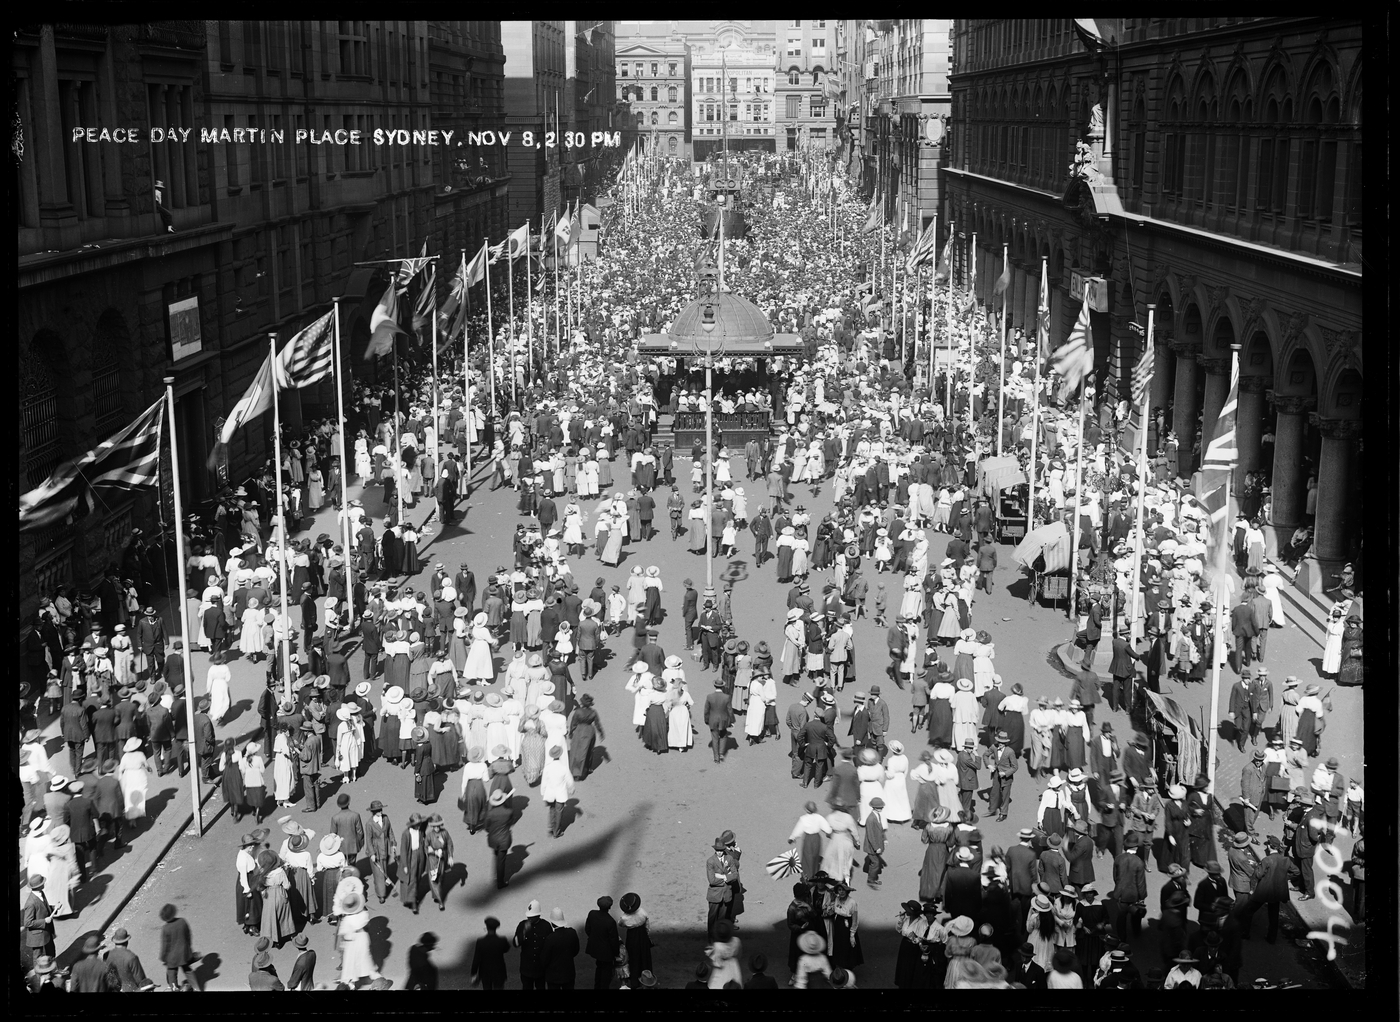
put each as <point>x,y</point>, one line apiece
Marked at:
<point>811,943</point>
<point>330,844</point>
<point>497,798</point>
<point>132,745</point>
<point>393,694</point>
<point>1240,840</point>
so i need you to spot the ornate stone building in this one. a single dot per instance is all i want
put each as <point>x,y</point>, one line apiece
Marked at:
<point>263,233</point>
<point>652,75</point>
<point>1228,196</point>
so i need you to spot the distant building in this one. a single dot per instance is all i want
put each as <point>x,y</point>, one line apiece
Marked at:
<point>732,86</point>
<point>535,70</point>
<point>652,76</point>
<point>806,57</point>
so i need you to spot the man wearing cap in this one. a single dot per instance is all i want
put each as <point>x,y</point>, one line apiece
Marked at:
<point>531,934</point>
<point>124,964</point>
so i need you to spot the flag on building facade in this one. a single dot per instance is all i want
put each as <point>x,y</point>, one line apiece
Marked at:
<point>384,325</point>
<point>128,461</point>
<point>1142,374</point>
<point>308,356</point>
<point>1074,359</point>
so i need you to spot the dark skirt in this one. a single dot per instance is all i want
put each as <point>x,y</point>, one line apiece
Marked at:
<point>655,730</point>
<point>909,972</point>
<point>302,894</point>
<point>445,746</point>
<point>425,785</point>
<point>389,738</point>
<point>474,805</point>
<point>242,903</point>
<point>810,852</point>
<point>637,940</point>
<point>940,722</point>
<point>254,796</point>
<point>581,750</point>
<point>327,880</point>
<point>845,954</point>
<point>925,801</point>
<point>234,793</point>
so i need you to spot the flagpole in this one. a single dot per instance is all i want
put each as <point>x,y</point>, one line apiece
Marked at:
<point>1084,394</point>
<point>437,422</point>
<point>344,471</point>
<point>1001,368</point>
<point>490,333</point>
<point>529,311</point>
<point>184,615</point>
<point>282,529</point>
<point>398,435</point>
<point>1136,588</point>
<point>467,378</point>
<point>1221,598</point>
<point>1042,313</point>
<point>952,351</point>
<point>928,326</point>
<point>510,318</point>
<point>558,325</point>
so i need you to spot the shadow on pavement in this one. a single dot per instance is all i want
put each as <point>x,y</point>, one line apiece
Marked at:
<point>380,942</point>
<point>207,969</point>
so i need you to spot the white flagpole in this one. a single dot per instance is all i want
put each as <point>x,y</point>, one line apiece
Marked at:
<point>952,350</point>
<point>529,311</point>
<point>282,531</point>
<point>467,383</point>
<point>510,318</point>
<point>437,422</point>
<point>972,270</point>
<point>182,608</point>
<point>1084,393</point>
<point>1001,369</point>
<point>346,537</point>
<point>490,334</point>
<point>1041,312</point>
<point>558,324</point>
<point>928,325</point>
<point>1136,588</point>
<point>1221,599</point>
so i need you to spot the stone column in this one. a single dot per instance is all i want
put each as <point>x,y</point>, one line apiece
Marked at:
<point>1217,389</point>
<point>1249,422</point>
<point>1331,535</point>
<point>1290,488</point>
<point>1183,417</point>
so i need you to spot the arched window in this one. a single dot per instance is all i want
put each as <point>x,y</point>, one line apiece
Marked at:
<point>794,76</point>
<point>1139,150</point>
<point>1235,145</point>
<point>1174,156</point>
<point>673,144</point>
<point>672,94</point>
<point>1317,162</point>
<point>655,119</point>
<point>1353,198</point>
<point>655,93</point>
<point>671,117</point>
<point>1272,178</point>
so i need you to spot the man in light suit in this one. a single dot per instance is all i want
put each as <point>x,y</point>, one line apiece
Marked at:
<point>719,717</point>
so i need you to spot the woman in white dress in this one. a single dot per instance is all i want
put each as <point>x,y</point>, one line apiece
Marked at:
<point>36,848</point>
<point>800,566</point>
<point>966,713</point>
<point>1336,625</point>
<point>872,781</point>
<point>896,792</point>
<point>363,465</point>
<point>123,660</point>
<point>347,744</point>
<point>680,732</point>
<point>722,470</point>
<point>132,773</point>
<point>315,489</point>
<point>61,870</point>
<point>481,665</point>
<point>216,688</point>
<point>942,509</point>
<point>588,475</point>
<point>912,603</point>
<point>250,637</point>
<point>573,529</point>
<point>762,691</point>
<point>356,962</point>
<point>282,773</point>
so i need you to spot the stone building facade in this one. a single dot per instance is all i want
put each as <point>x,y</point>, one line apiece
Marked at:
<point>803,111</point>
<point>263,234</point>
<point>1228,196</point>
<point>652,76</point>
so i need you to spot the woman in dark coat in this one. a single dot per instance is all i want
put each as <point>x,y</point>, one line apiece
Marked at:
<point>650,614</point>
<point>656,728</point>
<point>801,918</point>
<point>413,862</point>
<point>846,951</point>
<point>762,659</point>
<point>176,946</point>
<point>584,730</point>
<point>1090,925</point>
<point>424,770</point>
<point>234,794</point>
<point>926,794</point>
<point>938,841</point>
<point>1176,846</point>
<point>909,971</point>
<point>1202,845</point>
<point>391,552</point>
<point>636,938</point>
<point>940,710</point>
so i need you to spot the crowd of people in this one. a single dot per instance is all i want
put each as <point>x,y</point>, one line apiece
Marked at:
<point>485,678</point>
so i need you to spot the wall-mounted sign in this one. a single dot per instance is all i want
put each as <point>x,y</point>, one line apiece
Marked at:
<point>184,329</point>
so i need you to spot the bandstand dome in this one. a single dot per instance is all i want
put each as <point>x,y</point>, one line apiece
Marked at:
<point>741,328</point>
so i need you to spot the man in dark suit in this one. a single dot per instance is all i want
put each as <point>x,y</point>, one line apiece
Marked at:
<point>1021,877</point>
<point>303,975</point>
<point>797,718</point>
<point>957,549</point>
<point>122,961</point>
<point>310,761</point>
<point>719,717</point>
<point>1243,628</point>
<point>560,950</point>
<point>104,729</point>
<point>689,613</point>
<point>82,828</point>
<point>371,643</point>
<point>1001,766</point>
<point>350,827</point>
<point>465,584</point>
<point>719,874</point>
<point>499,818</point>
<point>818,744</point>
<point>1093,631</point>
<point>1129,887</point>
<point>603,942</point>
<point>646,511</point>
<point>73,725</point>
<point>489,956</point>
<point>216,627</point>
<point>180,730</point>
<point>150,640</point>
<point>1122,670</point>
<point>111,807</point>
<point>845,783</point>
<point>877,713</point>
<point>264,974</point>
<point>308,615</point>
<point>175,663</point>
<point>37,921</point>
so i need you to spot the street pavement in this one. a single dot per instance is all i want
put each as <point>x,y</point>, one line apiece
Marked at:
<point>644,822</point>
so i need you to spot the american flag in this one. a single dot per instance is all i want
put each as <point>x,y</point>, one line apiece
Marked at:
<point>1074,359</point>
<point>924,248</point>
<point>307,356</point>
<point>128,461</point>
<point>1142,375</point>
<point>1219,461</point>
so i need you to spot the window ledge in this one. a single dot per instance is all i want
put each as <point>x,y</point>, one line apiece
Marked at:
<point>235,189</point>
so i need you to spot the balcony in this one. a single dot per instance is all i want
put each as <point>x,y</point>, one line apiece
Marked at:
<point>184,35</point>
